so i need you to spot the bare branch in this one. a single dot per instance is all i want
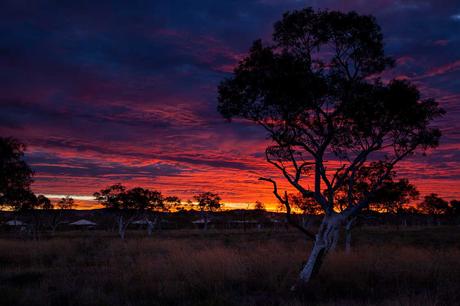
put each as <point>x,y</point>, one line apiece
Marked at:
<point>285,202</point>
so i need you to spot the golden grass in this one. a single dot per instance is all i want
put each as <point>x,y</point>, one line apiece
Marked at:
<point>221,269</point>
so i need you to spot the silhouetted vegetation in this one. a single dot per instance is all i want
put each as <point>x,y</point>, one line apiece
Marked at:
<point>316,91</point>
<point>136,203</point>
<point>420,267</point>
<point>15,176</point>
<point>207,202</point>
<point>434,205</point>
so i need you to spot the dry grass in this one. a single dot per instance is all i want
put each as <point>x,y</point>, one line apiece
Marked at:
<point>224,269</point>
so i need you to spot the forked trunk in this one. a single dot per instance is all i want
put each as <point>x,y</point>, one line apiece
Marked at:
<point>324,242</point>
<point>123,230</point>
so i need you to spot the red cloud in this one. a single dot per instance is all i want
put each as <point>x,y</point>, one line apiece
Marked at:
<point>448,68</point>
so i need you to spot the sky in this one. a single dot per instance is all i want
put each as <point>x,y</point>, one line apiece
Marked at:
<point>125,91</point>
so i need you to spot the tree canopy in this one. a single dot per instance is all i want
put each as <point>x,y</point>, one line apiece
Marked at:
<point>111,197</point>
<point>118,198</point>
<point>66,203</point>
<point>316,91</point>
<point>391,197</point>
<point>208,201</point>
<point>44,203</point>
<point>15,174</point>
<point>432,204</point>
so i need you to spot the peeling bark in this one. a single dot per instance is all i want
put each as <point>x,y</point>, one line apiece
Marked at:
<point>324,242</point>
<point>335,238</point>
<point>121,232</point>
<point>123,226</point>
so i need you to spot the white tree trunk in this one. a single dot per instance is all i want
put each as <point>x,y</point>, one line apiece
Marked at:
<point>149,228</point>
<point>121,228</point>
<point>348,229</point>
<point>335,239</point>
<point>205,221</point>
<point>324,241</point>
<point>55,221</point>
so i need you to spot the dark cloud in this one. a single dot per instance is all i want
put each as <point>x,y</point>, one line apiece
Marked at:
<point>97,86</point>
<point>76,167</point>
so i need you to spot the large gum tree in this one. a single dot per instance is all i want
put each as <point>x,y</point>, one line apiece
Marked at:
<point>316,91</point>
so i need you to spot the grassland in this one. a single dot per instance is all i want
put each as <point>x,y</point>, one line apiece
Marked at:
<point>415,266</point>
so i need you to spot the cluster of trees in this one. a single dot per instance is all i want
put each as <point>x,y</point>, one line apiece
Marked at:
<point>137,203</point>
<point>434,205</point>
<point>16,178</point>
<point>395,198</point>
<point>317,91</point>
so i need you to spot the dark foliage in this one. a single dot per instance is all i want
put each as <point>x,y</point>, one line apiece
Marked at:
<point>434,205</point>
<point>15,175</point>
<point>315,90</point>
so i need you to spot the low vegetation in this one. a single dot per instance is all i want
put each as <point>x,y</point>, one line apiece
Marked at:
<point>387,266</point>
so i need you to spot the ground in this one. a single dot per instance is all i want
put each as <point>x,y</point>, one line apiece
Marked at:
<point>388,266</point>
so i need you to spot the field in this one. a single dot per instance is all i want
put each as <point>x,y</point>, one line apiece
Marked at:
<point>414,266</point>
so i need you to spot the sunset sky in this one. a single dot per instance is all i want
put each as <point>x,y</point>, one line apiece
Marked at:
<point>106,92</point>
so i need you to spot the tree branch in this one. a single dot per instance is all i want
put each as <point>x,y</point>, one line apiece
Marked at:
<point>285,202</point>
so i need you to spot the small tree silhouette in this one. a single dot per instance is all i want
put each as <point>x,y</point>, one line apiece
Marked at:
<point>258,205</point>
<point>132,204</point>
<point>207,202</point>
<point>113,199</point>
<point>140,203</point>
<point>434,205</point>
<point>66,203</point>
<point>58,212</point>
<point>44,203</point>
